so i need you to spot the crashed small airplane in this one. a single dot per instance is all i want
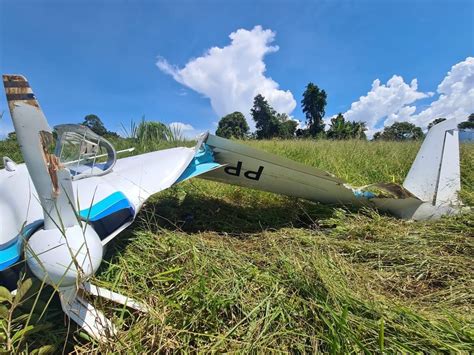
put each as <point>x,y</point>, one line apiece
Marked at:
<point>72,195</point>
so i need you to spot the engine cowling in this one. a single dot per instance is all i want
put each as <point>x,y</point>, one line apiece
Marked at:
<point>62,258</point>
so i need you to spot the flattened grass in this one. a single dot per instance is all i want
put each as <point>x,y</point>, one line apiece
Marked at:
<point>347,283</point>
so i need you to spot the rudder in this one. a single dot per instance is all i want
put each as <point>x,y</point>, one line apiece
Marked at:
<point>435,174</point>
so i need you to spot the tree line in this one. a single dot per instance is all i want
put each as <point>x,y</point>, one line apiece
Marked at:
<point>270,124</point>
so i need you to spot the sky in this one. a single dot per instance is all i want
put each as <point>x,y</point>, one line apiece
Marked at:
<point>188,63</point>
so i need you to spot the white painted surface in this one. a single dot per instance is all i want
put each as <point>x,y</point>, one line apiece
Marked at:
<point>449,183</point>
<point>19,203</point>
<point>424,175</point>
<point>29,121</point>
<point>278,174</point>
<point>113,296</point>
<point>60,260</point>
<point>138,177</point>
<point>86,315</point>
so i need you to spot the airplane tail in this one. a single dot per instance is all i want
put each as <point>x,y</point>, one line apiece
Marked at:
<point>429,191</point>
<point>435,175</point>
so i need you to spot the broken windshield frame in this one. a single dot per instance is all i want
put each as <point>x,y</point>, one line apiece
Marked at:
<point>84,152</point>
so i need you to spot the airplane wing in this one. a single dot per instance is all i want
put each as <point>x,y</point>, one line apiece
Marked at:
<point>111,202</point>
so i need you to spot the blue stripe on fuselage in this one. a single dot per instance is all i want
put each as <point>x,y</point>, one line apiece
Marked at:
<point>113,203</point>
<point>11,254</point>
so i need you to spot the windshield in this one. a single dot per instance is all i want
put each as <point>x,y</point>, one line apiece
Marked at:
<point>84,152</point>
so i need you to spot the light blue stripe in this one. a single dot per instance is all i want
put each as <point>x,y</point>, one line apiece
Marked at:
<point>363,194</point>
<point>201,163</point>
<point>10,255</point>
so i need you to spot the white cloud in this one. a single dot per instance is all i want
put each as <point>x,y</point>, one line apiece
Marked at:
<point>184,129</point>
<point>181,126</point>
<point>456,95</point>
<point>393,101</point>
<point>233,75</point>
<point>385,101</point>
<point>301,124</point>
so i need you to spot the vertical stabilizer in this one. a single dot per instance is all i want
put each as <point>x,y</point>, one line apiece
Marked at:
<point>435,174</point>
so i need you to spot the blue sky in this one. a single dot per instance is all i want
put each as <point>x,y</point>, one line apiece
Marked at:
<point>101,57</point>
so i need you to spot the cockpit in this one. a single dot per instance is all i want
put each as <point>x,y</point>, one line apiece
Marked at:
<point>84,152</point>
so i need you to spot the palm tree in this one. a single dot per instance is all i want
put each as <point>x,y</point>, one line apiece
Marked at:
<point>358,130</point>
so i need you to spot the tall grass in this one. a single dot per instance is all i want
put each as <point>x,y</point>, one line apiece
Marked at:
<point>152,135</point>
<point>363,162</point>
<point>225,269</point>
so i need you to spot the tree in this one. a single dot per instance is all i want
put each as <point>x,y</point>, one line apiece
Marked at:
<point>11,136</point>
<point>400,131</point>
<point>269,123</point>
<point>265,118</point>
<point>287,126</point>
<point>377,136</point>
<point>95,124</point>
<point>314,104</point>
<point>302,133</point>
<point>233,125</point>
<point>341,129</point>
<point>358,130</point>
<point>111,134</point>
<point>469,124</point>
<point>435,122</point>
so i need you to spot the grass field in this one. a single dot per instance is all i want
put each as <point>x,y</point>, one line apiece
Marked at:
<point>228,269</point>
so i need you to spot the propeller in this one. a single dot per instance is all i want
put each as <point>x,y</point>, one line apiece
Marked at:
<point>66,252</point>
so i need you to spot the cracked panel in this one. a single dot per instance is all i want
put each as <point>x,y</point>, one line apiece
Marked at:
<point>51,160</point>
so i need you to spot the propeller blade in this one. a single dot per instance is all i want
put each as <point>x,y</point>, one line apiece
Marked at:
<point>113,296</point>
<point>52,181</point>
<point>86,315</point>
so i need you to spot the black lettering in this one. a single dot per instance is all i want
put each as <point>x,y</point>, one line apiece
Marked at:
<point>234,171</point>
<point>254,175</point>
